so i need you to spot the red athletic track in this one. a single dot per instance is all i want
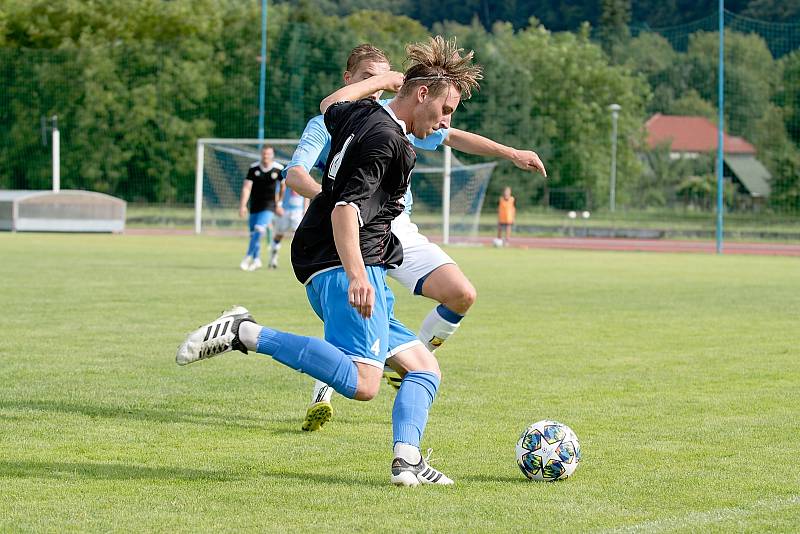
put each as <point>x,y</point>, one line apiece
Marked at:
<point>573,243</point>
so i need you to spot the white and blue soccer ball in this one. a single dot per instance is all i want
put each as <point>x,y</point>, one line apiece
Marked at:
<point>548,450</point>
<point>497,242</point>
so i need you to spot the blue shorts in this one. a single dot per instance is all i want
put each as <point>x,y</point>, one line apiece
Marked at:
<point>260,219</point>
<point>368,341</point>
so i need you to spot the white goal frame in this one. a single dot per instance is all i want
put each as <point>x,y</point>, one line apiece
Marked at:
<point>446,170</point>
<point>198,176</point>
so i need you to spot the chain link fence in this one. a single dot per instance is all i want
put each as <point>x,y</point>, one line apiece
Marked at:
<point>130,114</point>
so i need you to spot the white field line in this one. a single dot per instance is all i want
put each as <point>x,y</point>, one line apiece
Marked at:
<point>693,520</point>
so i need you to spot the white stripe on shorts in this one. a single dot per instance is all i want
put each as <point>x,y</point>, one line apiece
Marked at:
<point>404,346</point>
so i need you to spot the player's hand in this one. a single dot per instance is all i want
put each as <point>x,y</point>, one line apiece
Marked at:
<point>394,81</point>
<point>243,212</point>
<point>361,296</point>
<point>278,210</point>
<point>527,160</point>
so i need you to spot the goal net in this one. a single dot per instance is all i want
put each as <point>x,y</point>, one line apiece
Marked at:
<point>222,165</point>
<point>448,195</point>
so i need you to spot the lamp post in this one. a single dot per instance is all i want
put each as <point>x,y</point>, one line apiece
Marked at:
<point>614,108</point>
<point>262,86</point>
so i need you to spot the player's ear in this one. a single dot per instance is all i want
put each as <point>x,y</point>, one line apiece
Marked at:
<point>347,77</point>
<point>422,92</point>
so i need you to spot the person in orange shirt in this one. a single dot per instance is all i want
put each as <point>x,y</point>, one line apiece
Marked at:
<point>506,210</point>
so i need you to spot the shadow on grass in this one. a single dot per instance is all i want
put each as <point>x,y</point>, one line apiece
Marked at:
<point>117,471</point>
<point>98,471</point>
<point>354,480</point>
<point>505,479</point>
<point>144,414</point>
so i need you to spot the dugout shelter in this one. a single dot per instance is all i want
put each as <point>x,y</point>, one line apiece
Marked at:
<point>62,211</point>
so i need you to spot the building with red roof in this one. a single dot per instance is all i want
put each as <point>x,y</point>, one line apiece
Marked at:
<point>689,136</point>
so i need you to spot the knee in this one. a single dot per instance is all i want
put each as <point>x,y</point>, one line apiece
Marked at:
<point>259,229</point>
<point>366,391</point>
<point>462,298</point>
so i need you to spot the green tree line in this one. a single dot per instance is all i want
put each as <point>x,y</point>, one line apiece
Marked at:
<point>136,82</point>
<point>561,15</point>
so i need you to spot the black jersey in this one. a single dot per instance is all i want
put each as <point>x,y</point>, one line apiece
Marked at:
<point>262,196</point>
<point>369,168</point>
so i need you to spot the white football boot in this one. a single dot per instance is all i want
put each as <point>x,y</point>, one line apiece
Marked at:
<point>255,265</point>
<point>405,474</point>
<point>215,338</point>
<point>245,265</point>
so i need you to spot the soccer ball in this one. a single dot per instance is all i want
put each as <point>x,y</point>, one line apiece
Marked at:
<point>548,450</point>
<point>497,242</point>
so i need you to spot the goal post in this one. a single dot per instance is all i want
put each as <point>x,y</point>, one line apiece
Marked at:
<point>221,167</point>
<point>448,195</point>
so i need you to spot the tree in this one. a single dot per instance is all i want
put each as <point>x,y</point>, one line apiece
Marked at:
<point>751,75</point>
<point>773,10</point>
<point>613,30</point>
<point>550,92</point>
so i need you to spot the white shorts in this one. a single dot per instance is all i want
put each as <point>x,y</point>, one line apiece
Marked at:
<point>420,256</point>
<point>288,222</point>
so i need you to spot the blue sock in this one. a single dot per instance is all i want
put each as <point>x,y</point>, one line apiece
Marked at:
<point>448,315</point>
<point>313,356</point>
<point>253,247</point>
<point>410,412</point>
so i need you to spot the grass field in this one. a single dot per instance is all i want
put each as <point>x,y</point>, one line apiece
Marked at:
<point>679,373</point>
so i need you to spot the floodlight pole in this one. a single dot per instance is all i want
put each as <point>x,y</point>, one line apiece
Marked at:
<point>263,75</point>
<point>198,187</point>
<point>448,161</point>
<point>614,108</point>
<point>56,156</point>
<point>721,125</point>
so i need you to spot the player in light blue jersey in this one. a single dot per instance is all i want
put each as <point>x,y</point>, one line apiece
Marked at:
<point>426,269</point>
<point>294,206</point>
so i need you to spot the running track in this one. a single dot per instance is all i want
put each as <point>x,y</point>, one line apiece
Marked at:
<point>574,243</point>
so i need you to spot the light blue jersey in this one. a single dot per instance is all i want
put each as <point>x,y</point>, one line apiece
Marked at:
<point>292,200</point>
<point>315,144</point>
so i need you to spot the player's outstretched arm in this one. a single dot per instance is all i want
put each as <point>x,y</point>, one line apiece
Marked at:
<point>471,143</point>
<point>388,81</point>
<point>360,293</point>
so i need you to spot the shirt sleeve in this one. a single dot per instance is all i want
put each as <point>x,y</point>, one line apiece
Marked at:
<point>250,176</point>
<point>432,141</point>
<point>334,114</point>
<point>313,144</point>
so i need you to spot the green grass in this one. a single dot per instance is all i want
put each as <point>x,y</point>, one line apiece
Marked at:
<point>679,374</point>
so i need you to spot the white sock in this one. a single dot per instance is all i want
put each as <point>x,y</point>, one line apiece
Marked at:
<point>248,334</point>
<point>407,452</point>
<point>273,251</point>
<point>322,392</point>
<point>435,330</point>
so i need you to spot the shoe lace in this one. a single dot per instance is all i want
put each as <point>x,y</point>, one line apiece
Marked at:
<point>427,458</point>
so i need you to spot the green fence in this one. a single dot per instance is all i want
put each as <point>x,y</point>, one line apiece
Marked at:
<point>131,109</point>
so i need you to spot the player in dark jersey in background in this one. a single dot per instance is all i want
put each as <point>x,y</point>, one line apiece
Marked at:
<point>261,188</point>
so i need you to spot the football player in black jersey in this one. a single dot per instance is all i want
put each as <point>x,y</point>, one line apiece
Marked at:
<point>343,248</point>
<point>263,187</point>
